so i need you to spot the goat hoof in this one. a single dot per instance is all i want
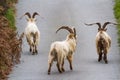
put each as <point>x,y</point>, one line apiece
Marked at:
<point>63,69</point>
<point>99,60</point>
<point>71,68</point>
<point>106,62</point>
<point>30,50</point>
<point>36,52</point>
<point>48,73</point>
<point>33,53</point>
<point>60,71</point>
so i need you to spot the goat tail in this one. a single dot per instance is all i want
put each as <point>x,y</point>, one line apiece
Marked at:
<point>35,40</point>
<point>53,53</point>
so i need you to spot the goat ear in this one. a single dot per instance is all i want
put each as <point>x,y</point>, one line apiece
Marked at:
<point>98,29</point>
<point>27,19</point>
<point>105,29</point>
<point>35,20</point>
<point>71,36</point>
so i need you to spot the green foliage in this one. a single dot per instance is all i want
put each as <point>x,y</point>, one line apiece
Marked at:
<point>117,16</point>
<point>8,10</point>
<point>11,18</point>
<point>117,9</point>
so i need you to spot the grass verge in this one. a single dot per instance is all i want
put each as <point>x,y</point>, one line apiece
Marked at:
<point>11,18</point>
<point>117,16</point>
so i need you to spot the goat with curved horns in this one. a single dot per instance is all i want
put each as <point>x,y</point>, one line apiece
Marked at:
<point>103,40</point>
<point>31,32</point>
<point>60,50</point>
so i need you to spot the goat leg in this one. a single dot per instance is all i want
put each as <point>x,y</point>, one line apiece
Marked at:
<point>30,49</point>
<point>105,58</point>
<point>62,66</point>
<point>33,51</point>
<point>50,65</point>
<point>100,57</point>
<point>105,55</point>
<point>58,66</point>
<point>36,49</point>
<point>70,62</point>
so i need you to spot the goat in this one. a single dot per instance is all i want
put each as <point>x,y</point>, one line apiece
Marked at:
<point>60,50</point>
<point>103,40</point>
<point>32,32</point>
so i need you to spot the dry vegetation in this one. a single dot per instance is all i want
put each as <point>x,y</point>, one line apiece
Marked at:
<point>10,45</point>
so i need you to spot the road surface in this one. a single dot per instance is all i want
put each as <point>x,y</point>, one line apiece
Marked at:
<point>74,13</point>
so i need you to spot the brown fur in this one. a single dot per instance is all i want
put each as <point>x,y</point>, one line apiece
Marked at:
<point>103,40</point>
<point>103,43</point>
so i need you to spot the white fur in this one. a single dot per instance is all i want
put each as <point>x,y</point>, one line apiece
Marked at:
<point>62,49</point>
<point>32,28</point>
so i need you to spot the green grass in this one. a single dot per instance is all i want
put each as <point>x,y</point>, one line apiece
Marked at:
<point>11,18</point>
<point>117,16</point>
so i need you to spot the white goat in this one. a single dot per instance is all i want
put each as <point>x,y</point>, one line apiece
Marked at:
<point>103,41</point>
<point>63,49</point>
<point>32,33</point>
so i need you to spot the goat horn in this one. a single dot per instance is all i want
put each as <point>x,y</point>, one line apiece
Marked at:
<point>74,31</point>
<point>67,28</point>
<point>34,14</point>
<point>27,13</point>
<point>99,25</point>
<point>106,23</point>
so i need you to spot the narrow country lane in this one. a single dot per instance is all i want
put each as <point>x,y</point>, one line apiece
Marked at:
<point>72,13</point>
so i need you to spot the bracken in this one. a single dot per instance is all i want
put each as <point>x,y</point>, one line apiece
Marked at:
<point>10,48</point>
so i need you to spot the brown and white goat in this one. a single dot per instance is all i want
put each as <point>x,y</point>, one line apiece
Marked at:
<point>63,49</point>
<point>103,41</point>
<point>32,33</point>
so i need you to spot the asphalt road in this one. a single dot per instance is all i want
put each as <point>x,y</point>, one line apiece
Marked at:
<point>73,13</point>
